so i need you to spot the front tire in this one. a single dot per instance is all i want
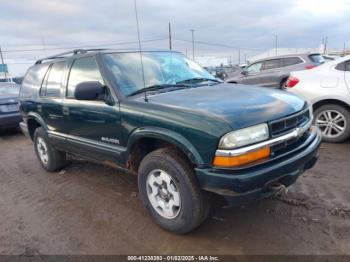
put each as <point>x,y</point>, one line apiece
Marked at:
<point>49,158</point>
<point>170,192</point>
<point>334,123</point>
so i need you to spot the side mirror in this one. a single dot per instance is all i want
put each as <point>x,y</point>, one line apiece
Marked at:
<point>89,90</point>
<point>244,72</point>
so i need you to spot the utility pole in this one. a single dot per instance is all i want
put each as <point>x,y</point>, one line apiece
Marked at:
<point>2,62</point>
<point>325,45</point>
<point>170,47</point>
<point>239,56</point>
<point>276,42</point>
<point>192,31</point>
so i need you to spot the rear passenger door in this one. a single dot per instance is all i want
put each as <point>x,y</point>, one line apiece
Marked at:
<point>93,127</point>
<point>49,104</point>
<point>271,73</point>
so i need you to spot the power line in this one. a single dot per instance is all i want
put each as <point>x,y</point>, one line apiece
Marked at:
<point>80,46</point>
<point>219,44</point>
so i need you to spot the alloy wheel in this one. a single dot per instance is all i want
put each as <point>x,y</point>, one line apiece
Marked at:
<point>163,194</point>
<point>42,150</point>
<point>332,123</point>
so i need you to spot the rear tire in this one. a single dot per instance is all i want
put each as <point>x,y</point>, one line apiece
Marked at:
<point>170,192</point>
<point>49,158</point>
<point>334,122</point>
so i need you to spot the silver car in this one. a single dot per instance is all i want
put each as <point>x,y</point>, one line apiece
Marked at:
<point>274,71</point>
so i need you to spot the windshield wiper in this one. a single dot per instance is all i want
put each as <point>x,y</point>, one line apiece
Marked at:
<point>155,87</point>
<point>198,79</point>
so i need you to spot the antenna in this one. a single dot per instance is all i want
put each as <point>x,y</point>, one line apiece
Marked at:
<point>140,50</point>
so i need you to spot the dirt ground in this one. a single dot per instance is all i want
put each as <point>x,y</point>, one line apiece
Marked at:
<point>89,208</point>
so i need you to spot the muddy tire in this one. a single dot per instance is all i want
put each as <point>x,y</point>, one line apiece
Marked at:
<point>334,123</point>
<point>169,190</point>
<point>49,158</point>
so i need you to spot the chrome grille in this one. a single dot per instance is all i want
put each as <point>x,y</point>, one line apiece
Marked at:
<point>284,125</point>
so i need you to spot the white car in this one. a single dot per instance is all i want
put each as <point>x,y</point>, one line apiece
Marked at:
<point>327,87</point>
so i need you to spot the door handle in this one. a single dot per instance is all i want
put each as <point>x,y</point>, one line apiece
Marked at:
<point>65,111</point>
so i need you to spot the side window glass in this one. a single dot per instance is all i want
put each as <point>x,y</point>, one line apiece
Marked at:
<point>83,70</point>
<point>271,64</point>
<point>344,66</point>
<point>254,68</point>
<point>32,80</point>
<point>52,84</point>
<point>289,61</point>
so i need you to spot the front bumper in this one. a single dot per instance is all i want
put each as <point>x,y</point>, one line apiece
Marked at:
<point>241,186</point>
<point>10,120</point>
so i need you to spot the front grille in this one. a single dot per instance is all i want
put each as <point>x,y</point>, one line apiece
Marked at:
<point>284,125</point>
<point>287,146</point>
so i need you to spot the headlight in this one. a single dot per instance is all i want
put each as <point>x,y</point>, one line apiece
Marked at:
<point>245,136</point>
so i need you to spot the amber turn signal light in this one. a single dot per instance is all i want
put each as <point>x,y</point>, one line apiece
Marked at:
<point>240,160</point>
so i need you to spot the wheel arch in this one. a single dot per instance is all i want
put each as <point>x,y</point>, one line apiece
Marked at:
<point>333,101</point>
<point>145,140</point>
<point>33,122</point>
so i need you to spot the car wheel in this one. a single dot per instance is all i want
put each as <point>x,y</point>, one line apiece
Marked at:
<point>50,158</point>
<point>283,84</point>
<point>170,192</point>
<point>334,122</point>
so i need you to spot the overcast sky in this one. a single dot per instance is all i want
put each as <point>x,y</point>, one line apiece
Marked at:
<point>49,26</point>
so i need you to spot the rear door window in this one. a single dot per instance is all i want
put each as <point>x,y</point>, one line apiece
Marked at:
<point>53,80</point>
<point>289,61</point>
<point>83,70</point>
<point>271,64</point>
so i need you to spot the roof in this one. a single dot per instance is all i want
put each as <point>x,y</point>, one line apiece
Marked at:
<point>85,51</point>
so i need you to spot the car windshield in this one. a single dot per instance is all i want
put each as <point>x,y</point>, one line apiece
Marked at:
<point>9,89</point>
<point>161,69</point>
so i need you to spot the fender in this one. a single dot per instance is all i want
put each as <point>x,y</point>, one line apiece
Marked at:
<point>168,136</point>
<point>330,97</point>
<point>38,118</point>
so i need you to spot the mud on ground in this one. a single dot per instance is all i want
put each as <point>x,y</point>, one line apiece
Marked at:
<point>90,208</point>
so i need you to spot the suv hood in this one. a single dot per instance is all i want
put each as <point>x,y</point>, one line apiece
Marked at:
<point>239,105</point>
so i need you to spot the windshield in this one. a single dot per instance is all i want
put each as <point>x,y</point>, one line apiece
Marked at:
<point>9,89</point>
<point>160,68</point>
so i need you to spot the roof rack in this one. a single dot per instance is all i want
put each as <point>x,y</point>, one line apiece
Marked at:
<point>65,54</point>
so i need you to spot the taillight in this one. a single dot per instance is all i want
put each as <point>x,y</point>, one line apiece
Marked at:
<point>310,66</point>
<point>292,81</point>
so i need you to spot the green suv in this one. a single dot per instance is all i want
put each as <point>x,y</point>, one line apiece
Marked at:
<point>160,116</point>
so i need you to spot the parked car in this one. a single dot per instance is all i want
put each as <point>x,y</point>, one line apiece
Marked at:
<point>328,89</point>
<point>328,58</point>
<point>184,133</point>
<point>9,105</point>
<point>274,72</point>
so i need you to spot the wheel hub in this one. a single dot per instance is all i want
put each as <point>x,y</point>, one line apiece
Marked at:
<point>163,194</point>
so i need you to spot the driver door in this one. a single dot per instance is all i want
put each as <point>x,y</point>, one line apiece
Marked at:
<point>252,74</point>
<point>92,127</point>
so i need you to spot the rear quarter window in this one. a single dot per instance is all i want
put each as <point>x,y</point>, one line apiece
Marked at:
<point>289,61</point>
<point>317,59</point>
<point>32,80</point>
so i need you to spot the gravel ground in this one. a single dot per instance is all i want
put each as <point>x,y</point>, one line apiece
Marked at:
<point>89,208</point>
